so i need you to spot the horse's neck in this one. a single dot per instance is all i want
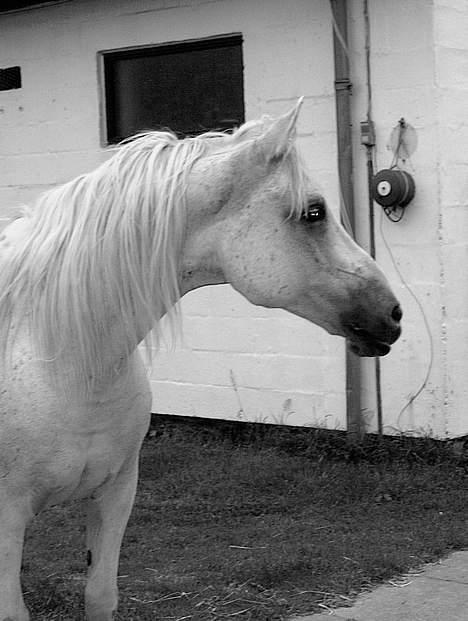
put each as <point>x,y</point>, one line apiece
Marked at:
<point>115,351</point>
<point>198,267</point>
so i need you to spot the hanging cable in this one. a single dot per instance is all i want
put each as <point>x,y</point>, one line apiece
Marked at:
<point>394,214</point>
<point>404,282</point>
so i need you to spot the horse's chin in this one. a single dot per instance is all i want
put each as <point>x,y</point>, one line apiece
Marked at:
<point>368,347</point>
<point>375,342</point>
<point>361,342</point>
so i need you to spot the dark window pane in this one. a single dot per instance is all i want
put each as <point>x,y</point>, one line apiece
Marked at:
<point>14,5</point>
<point>188,88</point>
<point>10,78</point>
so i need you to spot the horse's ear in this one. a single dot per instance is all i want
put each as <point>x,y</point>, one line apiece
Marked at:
<point>276,141</point>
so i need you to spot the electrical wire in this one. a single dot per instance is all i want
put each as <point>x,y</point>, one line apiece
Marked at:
<point>425,320</point>
<point>394,215</point>
<point>371,167</point>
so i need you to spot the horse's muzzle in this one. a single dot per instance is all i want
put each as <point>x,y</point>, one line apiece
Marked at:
<point>375,340</point>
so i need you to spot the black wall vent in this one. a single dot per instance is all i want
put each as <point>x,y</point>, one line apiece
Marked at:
<point>10,78</point>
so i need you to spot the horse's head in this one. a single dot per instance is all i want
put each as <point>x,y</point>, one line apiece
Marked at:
<point>273,237</point>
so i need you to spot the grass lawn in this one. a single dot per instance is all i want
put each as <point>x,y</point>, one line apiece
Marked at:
<point>256,522</point>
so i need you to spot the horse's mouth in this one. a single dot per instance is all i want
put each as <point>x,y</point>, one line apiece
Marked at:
<point>369,348</point>
<point>363,343</point>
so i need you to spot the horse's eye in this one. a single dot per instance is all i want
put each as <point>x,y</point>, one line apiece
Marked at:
<point>314,212</point>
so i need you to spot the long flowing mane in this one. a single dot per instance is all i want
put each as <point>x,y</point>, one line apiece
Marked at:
<point>112,239</point>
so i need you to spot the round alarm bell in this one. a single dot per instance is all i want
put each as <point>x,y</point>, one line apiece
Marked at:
<point>392,188</point>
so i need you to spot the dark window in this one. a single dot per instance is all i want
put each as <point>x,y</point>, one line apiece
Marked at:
<point>188,88</point>
<point>10,78</point>
<point>16,5</point>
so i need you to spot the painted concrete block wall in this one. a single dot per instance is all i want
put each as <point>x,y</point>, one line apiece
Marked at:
<point>236,361</point>
<point>419,69</point>
<point>451,80</point>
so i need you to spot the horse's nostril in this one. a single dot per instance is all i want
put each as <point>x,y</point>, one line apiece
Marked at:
<point>397,313</point>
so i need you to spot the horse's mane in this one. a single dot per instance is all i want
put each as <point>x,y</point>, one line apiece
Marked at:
<point>111,238</point>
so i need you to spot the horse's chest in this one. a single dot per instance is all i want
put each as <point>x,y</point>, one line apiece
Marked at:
<point>96,463</point>
<point>86,462</point>
<point>103,448</point>
<point>61,449</point>
<point>66,455</point>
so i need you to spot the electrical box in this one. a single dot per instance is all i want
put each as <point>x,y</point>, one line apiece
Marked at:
<point>392,188</point>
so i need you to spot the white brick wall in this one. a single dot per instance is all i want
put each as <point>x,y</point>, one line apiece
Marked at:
<point>419,66</point>
<point>451,78</point>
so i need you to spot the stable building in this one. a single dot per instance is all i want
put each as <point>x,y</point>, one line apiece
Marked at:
<point>385,88</point>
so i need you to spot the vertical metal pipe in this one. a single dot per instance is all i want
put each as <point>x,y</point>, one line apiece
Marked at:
<point>345,168</point>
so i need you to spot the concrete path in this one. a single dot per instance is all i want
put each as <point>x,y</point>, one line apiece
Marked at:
<point>438,593</point>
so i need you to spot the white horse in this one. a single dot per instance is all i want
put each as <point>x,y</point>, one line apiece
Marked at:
<point>87,274</point>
